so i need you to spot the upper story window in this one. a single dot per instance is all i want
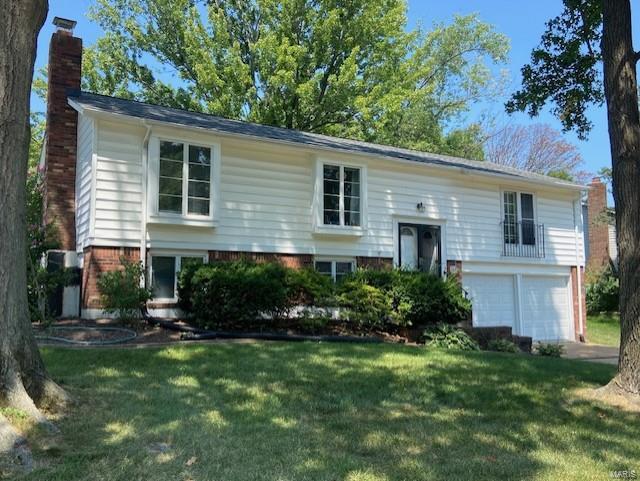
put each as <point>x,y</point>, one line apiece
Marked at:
<point>523,237</point>
<point>184,181</point>
<point>341,195</point>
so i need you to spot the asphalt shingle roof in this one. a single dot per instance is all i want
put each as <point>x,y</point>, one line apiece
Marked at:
<point>222,125</point>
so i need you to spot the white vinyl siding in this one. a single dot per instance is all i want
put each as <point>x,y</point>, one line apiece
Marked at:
<point>83,181</point>
<point>118,189</point>
<point>267,204</point>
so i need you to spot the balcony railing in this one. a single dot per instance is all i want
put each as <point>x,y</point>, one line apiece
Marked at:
<point>522,239</point>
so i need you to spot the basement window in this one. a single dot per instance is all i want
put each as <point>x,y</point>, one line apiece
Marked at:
<point>164,270</point>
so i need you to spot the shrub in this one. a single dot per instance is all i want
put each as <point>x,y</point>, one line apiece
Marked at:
<point>121,291</point>
<point>239,291</point>
<point>549,349</point>
<point>421,299</point>
<point>603,291</point>
<point>502,345</point>
<point>185,285</point>
<point>446,336</point>
<point>308,287</point>
<point>367,307</point>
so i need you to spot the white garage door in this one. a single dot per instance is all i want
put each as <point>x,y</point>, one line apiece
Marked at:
<point>546,308</point>
<point>493,298</point>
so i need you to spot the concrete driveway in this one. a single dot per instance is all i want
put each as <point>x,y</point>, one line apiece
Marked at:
<point>591,352</point>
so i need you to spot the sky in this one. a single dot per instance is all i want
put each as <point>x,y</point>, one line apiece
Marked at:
<point>523,22</point>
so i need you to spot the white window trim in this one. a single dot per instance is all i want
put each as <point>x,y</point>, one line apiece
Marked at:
<point>318,200</point>
<point>157,217</point>
<point>519,209</point>
<point>334,261</point>
<point>177,266</point>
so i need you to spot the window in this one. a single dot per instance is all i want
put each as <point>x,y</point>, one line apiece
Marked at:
<point>519,218</point>
<point>164,274</point>
<point>341,196</point>
<point>337,270</point>
<point>184,181</point>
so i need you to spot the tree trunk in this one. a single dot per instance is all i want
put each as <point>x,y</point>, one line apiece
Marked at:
<point>624,133</point>
<point>24,382</point>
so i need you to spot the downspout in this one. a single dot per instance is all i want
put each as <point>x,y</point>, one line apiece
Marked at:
<point>143,224</point>
<point>577,211</point>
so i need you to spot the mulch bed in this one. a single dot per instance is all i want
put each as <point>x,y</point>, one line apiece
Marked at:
<point>152,335</point>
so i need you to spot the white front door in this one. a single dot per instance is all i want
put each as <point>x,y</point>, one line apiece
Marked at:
<point>409,247</point>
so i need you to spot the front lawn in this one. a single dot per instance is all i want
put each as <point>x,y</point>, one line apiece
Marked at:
<point>603,329</point>
<point>302,411</point>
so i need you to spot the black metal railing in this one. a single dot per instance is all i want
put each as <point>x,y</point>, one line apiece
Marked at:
<point>522,239</point>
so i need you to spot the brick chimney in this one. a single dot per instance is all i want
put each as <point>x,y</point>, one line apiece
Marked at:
<point>64,74</point>
<point>598,225</point>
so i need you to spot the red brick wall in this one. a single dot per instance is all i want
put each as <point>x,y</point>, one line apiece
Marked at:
<point>289,260</point>
<point>374,262</point>
<point>96,261</point>
<point>580,336</point>
<point>598,226</point>
<point>65,59</point>
<point>455,267</point>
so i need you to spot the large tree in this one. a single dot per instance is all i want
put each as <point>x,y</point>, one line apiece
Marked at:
<point>590,37</point>
<point>345,68</point>
<point>24,382</point>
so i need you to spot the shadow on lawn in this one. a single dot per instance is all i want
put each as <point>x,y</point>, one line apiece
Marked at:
<point>278,411</point>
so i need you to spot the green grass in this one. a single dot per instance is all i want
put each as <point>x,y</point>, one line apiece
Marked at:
<point>302,411</point>
<point>604,329</point>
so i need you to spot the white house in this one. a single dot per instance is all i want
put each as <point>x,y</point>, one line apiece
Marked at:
<point>163,185</point>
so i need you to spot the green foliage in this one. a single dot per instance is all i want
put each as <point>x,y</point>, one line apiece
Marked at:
<point>121,291</point>
<point>502,345</point>
<point>225,293</point>
<point>351,69</point>
<point>421,298</point>
<point>367,307</point>
<point>308,287</point>
<point>40,237</point>
<point>564,67</point>
<point>446,336</point>
<point>549,349</point>
<point>603,291</point>
<point>407,298</point>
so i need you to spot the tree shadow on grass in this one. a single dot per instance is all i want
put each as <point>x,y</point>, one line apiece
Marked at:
<point>285,411</point>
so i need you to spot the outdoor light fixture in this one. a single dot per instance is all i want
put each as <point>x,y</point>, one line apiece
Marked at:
<point>420,207</point>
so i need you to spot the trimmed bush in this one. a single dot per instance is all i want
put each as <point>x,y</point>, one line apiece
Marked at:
<point>229,292</point>
<point>445,336</point>
<point>502,345</point>
<point>603,291</point>
<point>422,299</point>
<point>225,293</point>
<point>375,298</point>
<point>121,291</point>
<point>367,307</point>
<point>549,350</point>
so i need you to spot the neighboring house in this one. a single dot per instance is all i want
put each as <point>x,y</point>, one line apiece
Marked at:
<point>601,247</point>
<point>165,186</point>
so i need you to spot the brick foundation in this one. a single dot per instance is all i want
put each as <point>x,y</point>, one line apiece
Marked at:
<point>97,260</point>
<point>580,336</point>
<point>289,260</point>
<point>455,268</point>
<point>65,59</point>
<point>374,262</point>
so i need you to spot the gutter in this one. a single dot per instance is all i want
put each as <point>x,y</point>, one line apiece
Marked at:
<point>143,223</point>
<point>577,211</point>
